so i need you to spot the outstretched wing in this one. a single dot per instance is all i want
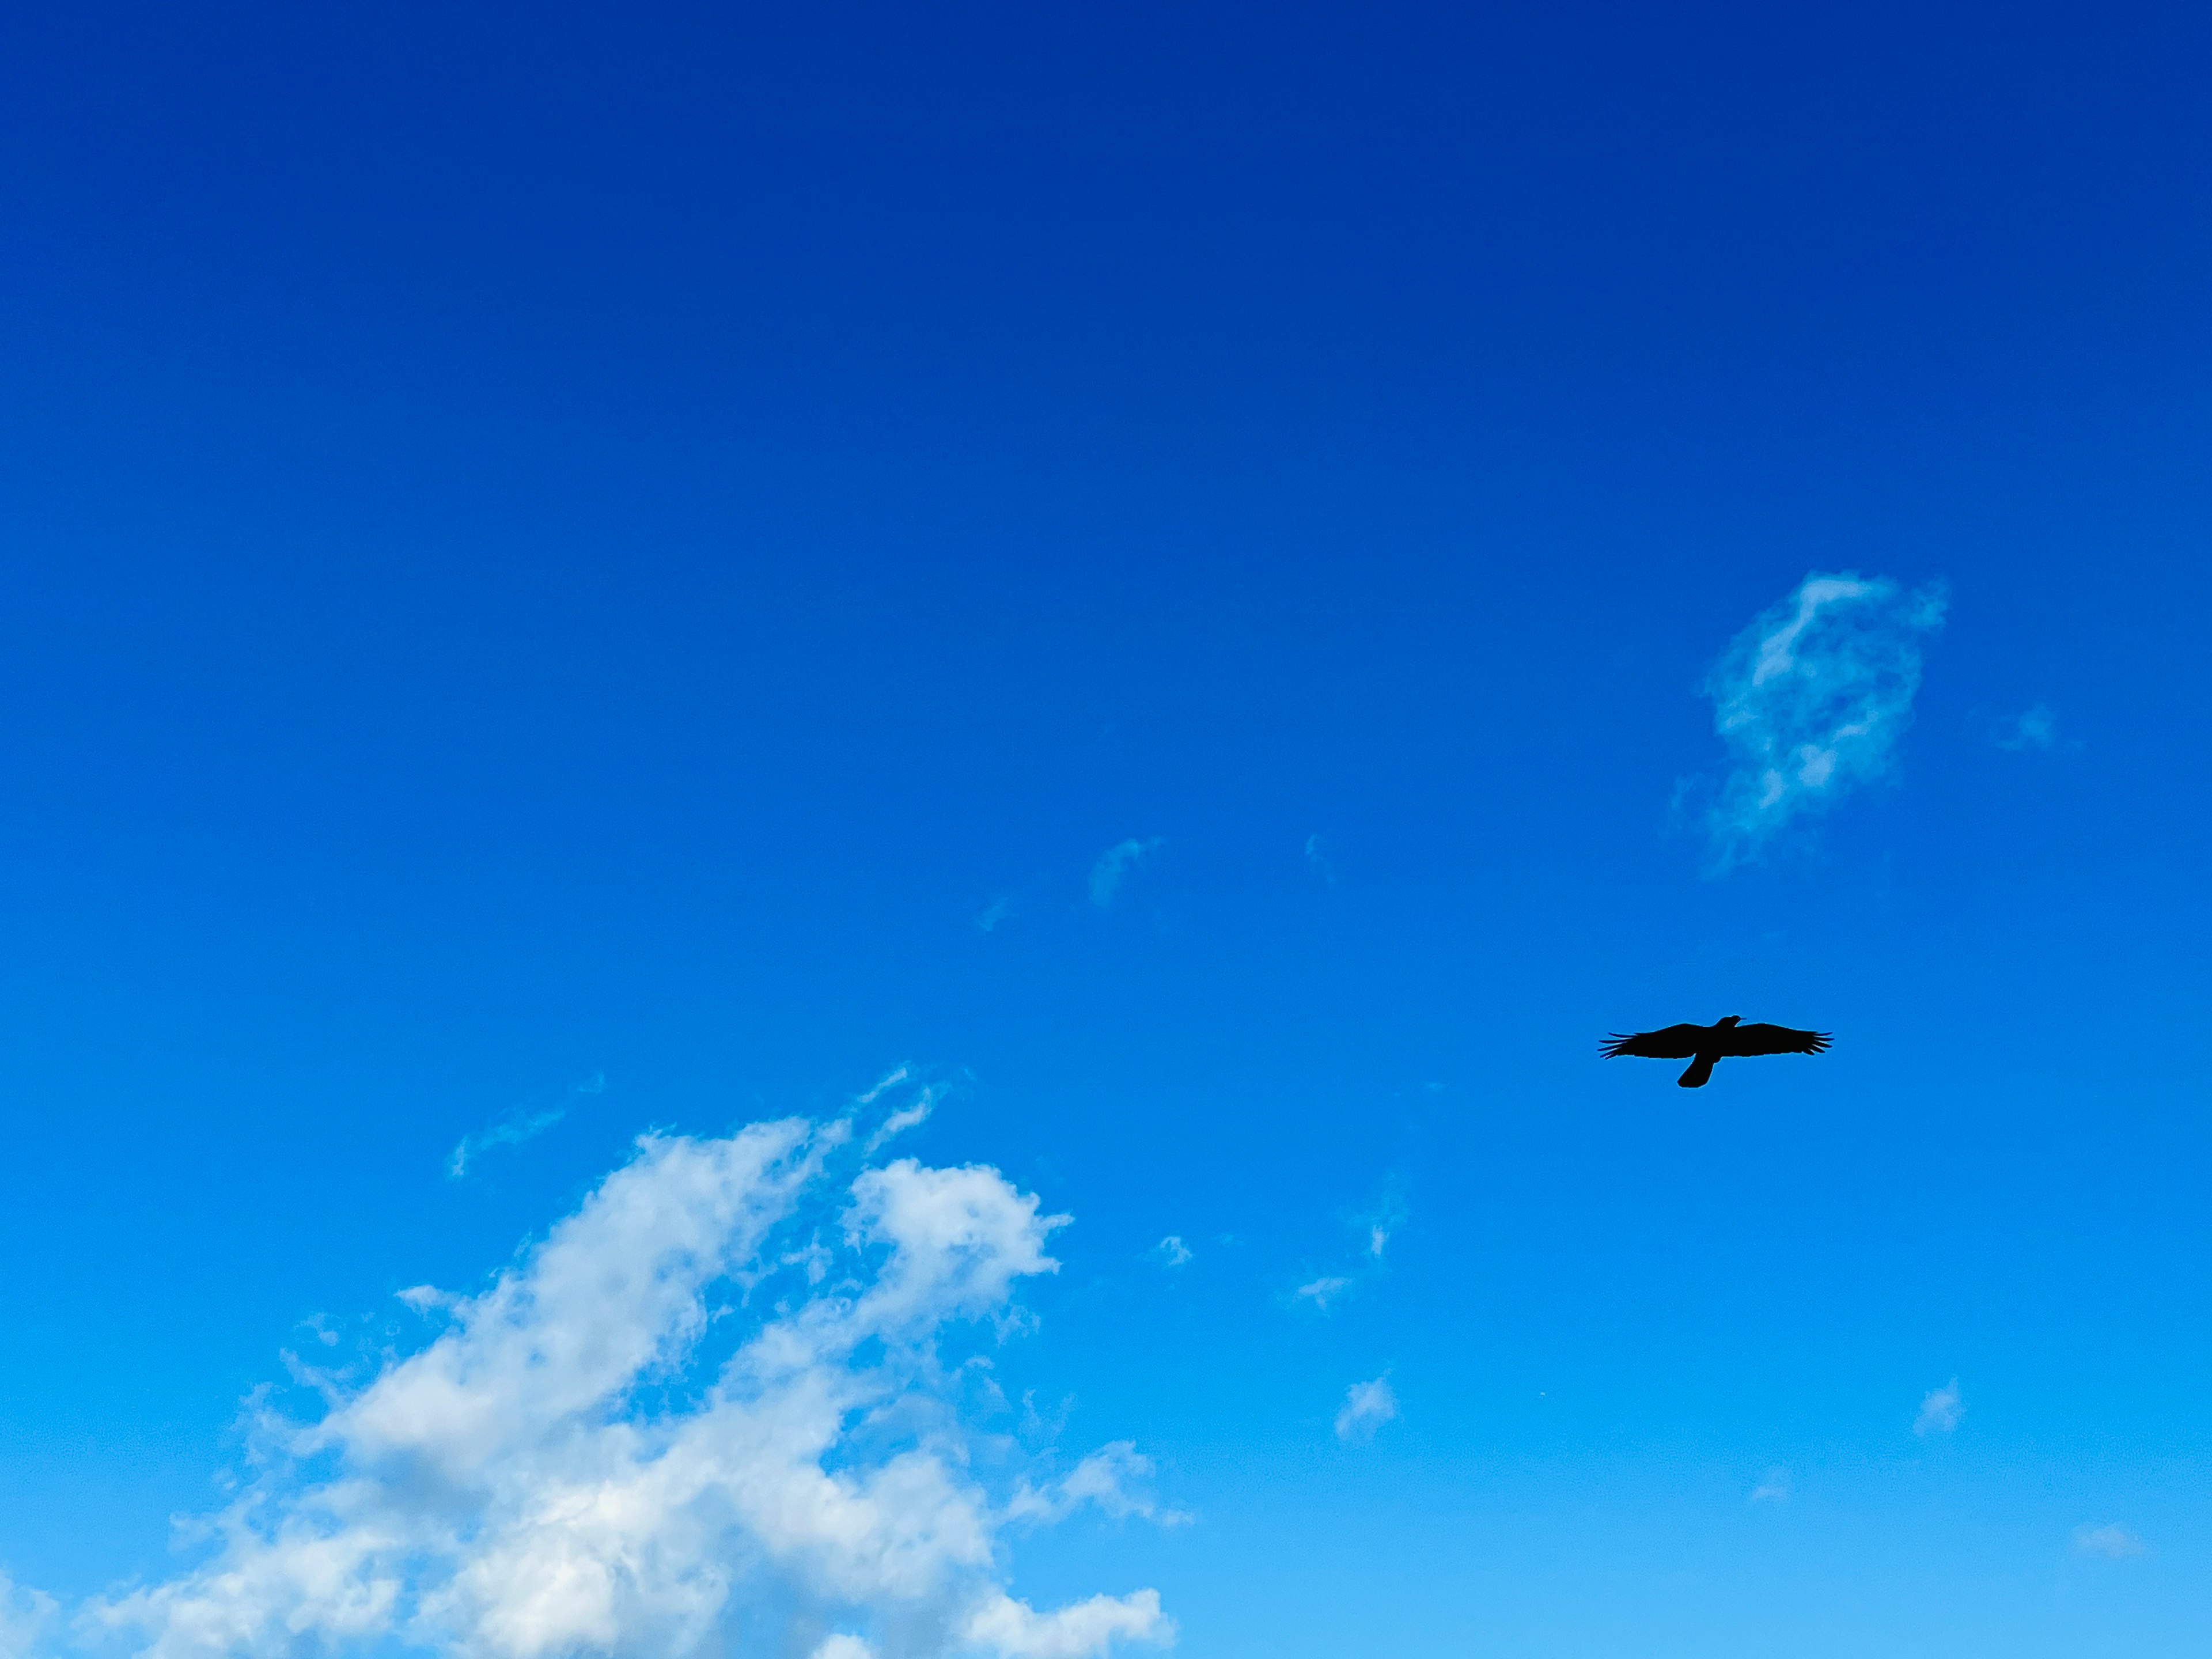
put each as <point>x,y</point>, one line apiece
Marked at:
<point>1673,1042</point>
<point>1773,1040</point>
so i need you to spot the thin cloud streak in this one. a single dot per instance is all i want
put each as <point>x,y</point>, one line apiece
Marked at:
<point>512,1128</point>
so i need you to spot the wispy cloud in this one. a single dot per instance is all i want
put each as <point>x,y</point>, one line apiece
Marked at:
<point>1116,1479</point>
<point>518,1124</point>
<point>1811,699</point>
<point>1367,1406</point>
<point>1323,1291</point>
<point>1381,1223</point>
<point>922,1101</point>
<point>1774,1488</point>
<point>2037,729</point>
<point>1115,863</point>
<point>1317,858</point>
<point>1939,1410</point>
<point>2112,1542</point>
<point>512,1488</point>
<point>995,912</point>
<point>1172,1251</point>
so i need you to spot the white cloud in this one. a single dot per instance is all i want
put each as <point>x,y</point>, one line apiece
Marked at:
<point>1017,1630</point>
<point>1323,1291</point>
<point>2036,729</point>
<point>888,1080</point>
<point>25,1615</point>
<point>1172,1251</point>
<point>650,1425</point>
<point>1811,699</point>
<point>906,1117</point>
<point>1115,863</point>
<point>521,1123</point>
<point>1939,1410</point>
<point>2112,1542</point>
<point>1114,1479</point>
<point>1367,1406</point>
<point>1774,1489</point>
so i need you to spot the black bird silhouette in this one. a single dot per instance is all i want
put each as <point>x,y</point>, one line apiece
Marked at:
<point>1704,1046</point>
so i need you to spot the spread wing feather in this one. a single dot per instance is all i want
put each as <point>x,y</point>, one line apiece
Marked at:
<point>1671,1042</point>
<point>1773,1040</point>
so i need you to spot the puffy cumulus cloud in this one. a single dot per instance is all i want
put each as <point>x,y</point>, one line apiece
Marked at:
<point>1939,1410</point>
<point>1367,1406</point>
<point>714,1398</point>
<point>1811,699</point>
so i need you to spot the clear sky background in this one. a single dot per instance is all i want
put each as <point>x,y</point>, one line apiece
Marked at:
<point>1162,576</point>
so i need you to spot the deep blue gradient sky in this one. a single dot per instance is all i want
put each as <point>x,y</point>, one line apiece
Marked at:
<point>555,543</point>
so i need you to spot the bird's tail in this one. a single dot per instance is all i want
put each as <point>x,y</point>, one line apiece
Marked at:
<point>1700,1069</point>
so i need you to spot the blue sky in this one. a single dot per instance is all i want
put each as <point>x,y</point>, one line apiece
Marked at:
<point>814,822</point>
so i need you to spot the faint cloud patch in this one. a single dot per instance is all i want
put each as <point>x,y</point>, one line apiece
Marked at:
<point>1321,1292</point>
<point>994,912</point>
<point>518,1124</point>
<point>2112,1542</point>
<point>25,1616</point>
<point>1114,1479</point>
<point>1170,1252</point>
<point>1381,1224</point>
<point>1114,864</point>
<point>841,1646</point>
<point>1317,858</point>
<point>1367,1406</point>
<point>1810,699</point>
<point>2019,734</point>
<point>1939,1410</point>
<point>1774,1488</point>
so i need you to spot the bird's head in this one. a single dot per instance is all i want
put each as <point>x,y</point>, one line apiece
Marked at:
<point>1733,1019</point>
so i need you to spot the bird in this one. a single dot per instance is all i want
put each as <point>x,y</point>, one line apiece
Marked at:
<point>1705,1046</point>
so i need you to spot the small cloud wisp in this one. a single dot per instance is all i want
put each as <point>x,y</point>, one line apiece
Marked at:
<point>1115,863</point>
<point>1939,1410</point>
<point>522,1123</point>
<point>2110,1542</point>
<point>1811,700</point>
<point>1367,1406</point>
<point>2037,729</point>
